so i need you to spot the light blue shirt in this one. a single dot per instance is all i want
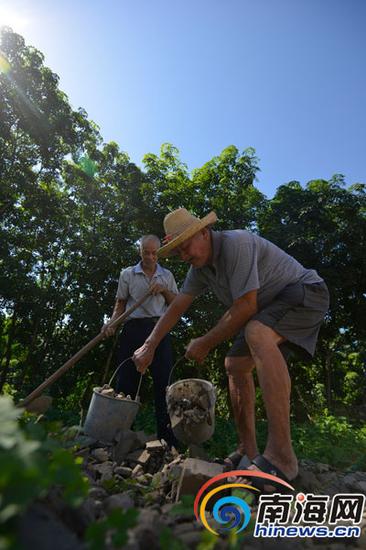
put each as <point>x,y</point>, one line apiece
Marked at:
<point>134,283</point>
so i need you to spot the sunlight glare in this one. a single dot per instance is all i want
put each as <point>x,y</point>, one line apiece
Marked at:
<point>11,18</point>
<point>4,64</point>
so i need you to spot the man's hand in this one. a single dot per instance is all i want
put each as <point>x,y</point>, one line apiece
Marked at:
<point>143,357</point>
<point>197,349</point>
<point>107,330</point>
<point>156,288</point>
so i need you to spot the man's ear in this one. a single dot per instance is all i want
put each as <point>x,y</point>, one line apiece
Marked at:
<point>205,233</point>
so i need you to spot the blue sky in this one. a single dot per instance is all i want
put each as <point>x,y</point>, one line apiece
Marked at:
<point>287,77</point>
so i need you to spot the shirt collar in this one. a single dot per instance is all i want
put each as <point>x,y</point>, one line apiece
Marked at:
<point>138,269</point>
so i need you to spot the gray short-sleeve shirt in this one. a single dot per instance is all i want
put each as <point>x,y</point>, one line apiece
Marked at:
<point>134,283</point>
<point>243,261</point>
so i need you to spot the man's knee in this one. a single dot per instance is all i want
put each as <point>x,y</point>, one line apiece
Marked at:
<point>258,335</point>
<point>238,365</point>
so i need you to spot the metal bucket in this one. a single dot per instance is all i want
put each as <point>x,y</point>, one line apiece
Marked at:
<point>107,415</point>
<point>191,407</point>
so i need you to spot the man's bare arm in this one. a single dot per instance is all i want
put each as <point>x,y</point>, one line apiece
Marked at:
<point>119,308</point>
<point>168,295</point>
<point>230,323</point>
<point>233,319</point>
<point>144,355</point>
<point>156,288</point>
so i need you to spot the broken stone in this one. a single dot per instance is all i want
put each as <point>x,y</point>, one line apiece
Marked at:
<point>89,509</point>
<point>328,478</point>
<point>173,470</point>
<point>123,471</point>
<point>306,481</point>
<point>100,454</point>
<point>144,458</point>
<point>98,493</point>
<point>119,500</point>
<point>133,457</point>
<point>105,470</point>
<point>137,471</point>
<point>353,482</point>
<point>143,438</point>
<point>174,452</point>
<point>189,533</point>
<point>147,532</point>
<point>195,473</point>
<point>39,527</point>
<point>98,509</point>
<point>191,406</point>
<point>154,446</point>
<point>321,468</point>
<point>108,392</point>
<point>90,473</point>
<point>187,527</point>
<point>362,487</point>
<point>143,480</point>
<point>153,499</point>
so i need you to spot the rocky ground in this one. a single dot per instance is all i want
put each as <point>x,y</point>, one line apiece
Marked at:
<point>139,472</point>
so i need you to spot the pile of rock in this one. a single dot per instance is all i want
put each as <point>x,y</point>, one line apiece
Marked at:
<point>108,391</point>
<point>193,411</point>
<point>139,471</point>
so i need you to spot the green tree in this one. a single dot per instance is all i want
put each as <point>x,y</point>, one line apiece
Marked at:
<point>324,227</point>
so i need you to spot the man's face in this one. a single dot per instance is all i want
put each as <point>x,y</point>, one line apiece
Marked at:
<point>148,253</point>
<point>196,250</point>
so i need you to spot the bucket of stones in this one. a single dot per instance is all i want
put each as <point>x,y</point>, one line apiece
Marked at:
<point>109,412</point>
<point>191,408</point>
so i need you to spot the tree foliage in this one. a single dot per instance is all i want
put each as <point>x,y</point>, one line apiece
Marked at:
<point>73,207</point>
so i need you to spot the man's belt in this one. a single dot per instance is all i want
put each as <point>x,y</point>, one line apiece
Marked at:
<point>154,319</point>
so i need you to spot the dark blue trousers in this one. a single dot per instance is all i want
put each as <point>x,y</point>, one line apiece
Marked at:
<point>133,335</point>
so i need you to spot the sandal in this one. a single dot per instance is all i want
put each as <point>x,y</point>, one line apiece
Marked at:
<point>267,467</point>
<point>235,461</point>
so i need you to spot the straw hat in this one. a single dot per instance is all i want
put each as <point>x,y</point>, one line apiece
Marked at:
<point>181,225</point>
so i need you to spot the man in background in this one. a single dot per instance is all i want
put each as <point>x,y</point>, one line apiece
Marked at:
<point>134,282</point>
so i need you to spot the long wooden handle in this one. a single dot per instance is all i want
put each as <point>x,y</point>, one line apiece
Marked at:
<point>71,362</point>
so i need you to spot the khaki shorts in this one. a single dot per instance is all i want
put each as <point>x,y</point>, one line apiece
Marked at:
<point>296,313</point>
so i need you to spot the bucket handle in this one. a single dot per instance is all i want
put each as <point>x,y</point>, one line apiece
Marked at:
<point>175,365</point>
<point>117,369</point>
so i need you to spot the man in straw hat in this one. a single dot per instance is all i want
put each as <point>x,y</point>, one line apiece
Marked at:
<point>275,306</point>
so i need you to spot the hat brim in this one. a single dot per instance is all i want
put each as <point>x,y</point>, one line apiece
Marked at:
<point>166,250</point>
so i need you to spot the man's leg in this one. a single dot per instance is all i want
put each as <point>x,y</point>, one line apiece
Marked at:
<point>242,396</point>
<point>160,371</point>
<point>127,376</point>
<point>275,384</point>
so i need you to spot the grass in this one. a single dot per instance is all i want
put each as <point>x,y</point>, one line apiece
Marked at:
<point>329,439</point>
